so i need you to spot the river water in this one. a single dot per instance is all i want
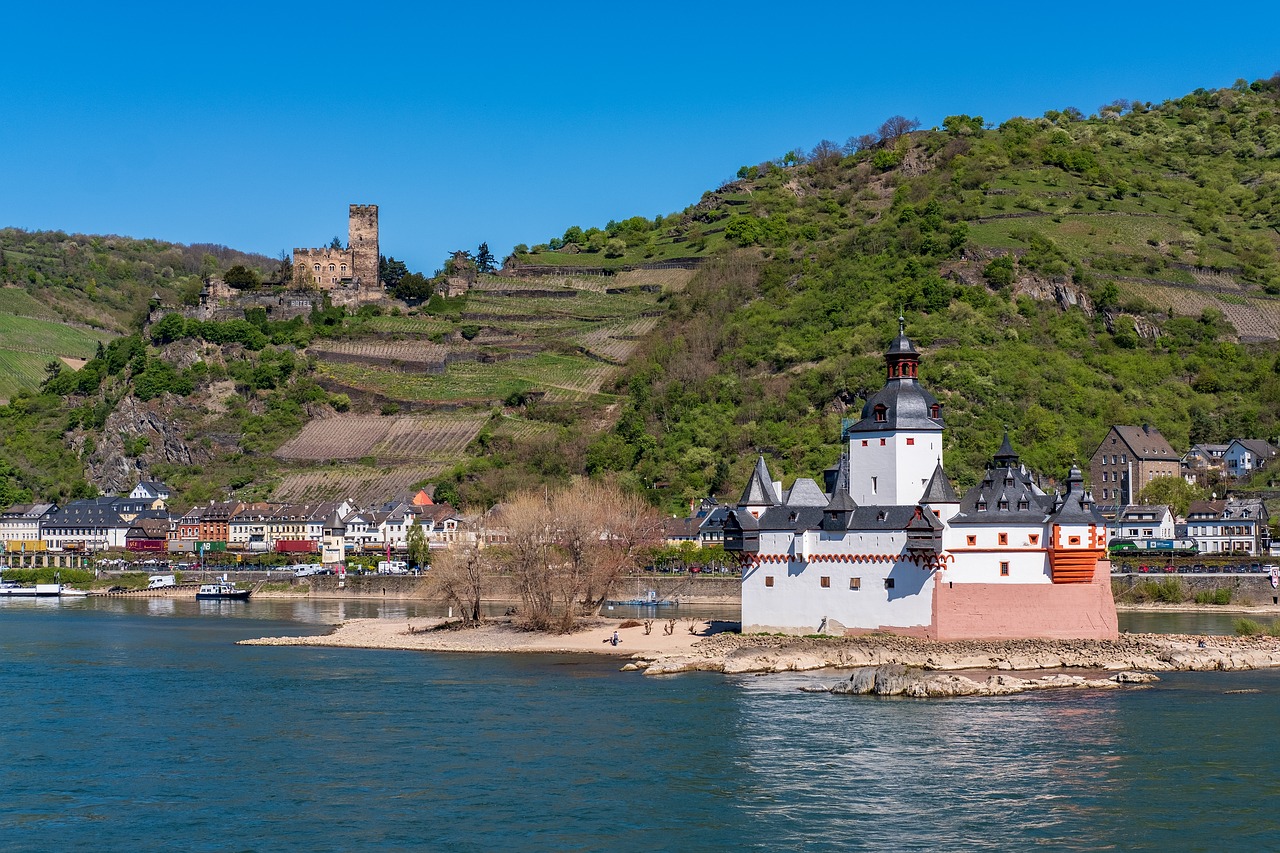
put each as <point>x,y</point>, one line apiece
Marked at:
<point>138,725</point>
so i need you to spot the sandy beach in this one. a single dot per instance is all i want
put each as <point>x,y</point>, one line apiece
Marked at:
<point>715,646</point>
<point>500,635</point>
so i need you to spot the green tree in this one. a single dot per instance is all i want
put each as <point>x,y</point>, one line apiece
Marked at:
<point>484,259</point>
<point>419,549</point>
<point>1173,492</point>
<point>391,271</point>
<point>999,272</point>
<point>242,278</point>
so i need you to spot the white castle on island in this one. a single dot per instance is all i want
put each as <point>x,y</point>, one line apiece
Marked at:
<point>890,546</point>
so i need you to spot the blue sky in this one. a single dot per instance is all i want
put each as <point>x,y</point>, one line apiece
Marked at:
<point>254,125</point>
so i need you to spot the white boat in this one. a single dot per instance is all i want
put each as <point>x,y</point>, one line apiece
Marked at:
<point>221,589</point>
<point>40,589</point>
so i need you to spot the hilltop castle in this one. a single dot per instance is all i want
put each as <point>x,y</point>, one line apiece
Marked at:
<point>888,544</point>
<point>355,267</point>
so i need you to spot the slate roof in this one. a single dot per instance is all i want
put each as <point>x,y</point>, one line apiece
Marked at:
<point>1257,447</point>
<point>939,490</point>
<point>805,492</point>
<point>759,491</point>
<point>1077,504</point>
<point>1145,442</point>
<point>906,404</point>
<point>1007,493</point>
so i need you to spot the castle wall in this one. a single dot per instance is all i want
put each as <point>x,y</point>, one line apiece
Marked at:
<point>991,611</point>
<point>321,268</point>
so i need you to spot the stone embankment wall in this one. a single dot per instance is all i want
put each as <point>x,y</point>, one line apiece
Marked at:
<point>1250,589</point>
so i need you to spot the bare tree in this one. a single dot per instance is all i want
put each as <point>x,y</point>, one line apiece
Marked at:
<point>865,142</point>
<point>824,154</point>
<point>461,572</point>
<point>895,126</point>
<point>568,548</point>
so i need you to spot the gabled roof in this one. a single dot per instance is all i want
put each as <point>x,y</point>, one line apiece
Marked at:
<point>1257,447</point>
<point>759,491</point>
<point>1144,442</point>
<point>939,490</point>
<point>805,492</point>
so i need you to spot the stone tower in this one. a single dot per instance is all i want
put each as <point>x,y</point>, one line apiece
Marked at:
<point>362,237</point>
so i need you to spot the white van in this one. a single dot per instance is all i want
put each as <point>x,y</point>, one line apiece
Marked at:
<point>393,567</point>
<point>303,570</point>
<point>161,581</point>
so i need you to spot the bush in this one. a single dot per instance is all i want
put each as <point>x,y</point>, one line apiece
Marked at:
<point>1214,596</point>
<point>1247,627</point>
<point>1166,591</point>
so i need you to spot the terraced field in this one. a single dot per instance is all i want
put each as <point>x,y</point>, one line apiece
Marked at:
<point>362,485</point>
<point>616,341</point>
<point>404,439</point>
<point>420,354</point>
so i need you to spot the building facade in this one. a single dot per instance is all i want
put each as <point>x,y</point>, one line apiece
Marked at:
<point>892,547</point>
<point>355,267</point>
<point>1129,458</point>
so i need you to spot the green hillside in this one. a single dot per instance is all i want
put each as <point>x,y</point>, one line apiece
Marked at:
<point>1059,273</point>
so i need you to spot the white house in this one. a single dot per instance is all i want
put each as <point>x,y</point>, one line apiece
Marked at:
<point>1246,455</point>
<point>1143,522</point>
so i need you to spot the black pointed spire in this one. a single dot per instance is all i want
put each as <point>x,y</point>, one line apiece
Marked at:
<point>759,491</point>
<point>939,490</point>
<point>1006,457</point>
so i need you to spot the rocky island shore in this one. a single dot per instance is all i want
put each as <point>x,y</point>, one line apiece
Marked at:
<point>880,664</point>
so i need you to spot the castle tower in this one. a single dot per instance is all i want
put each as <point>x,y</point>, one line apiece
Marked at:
<point>896,446</point>
<point>362,237</point>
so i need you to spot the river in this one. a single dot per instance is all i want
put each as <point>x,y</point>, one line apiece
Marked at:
<point>139,725</point>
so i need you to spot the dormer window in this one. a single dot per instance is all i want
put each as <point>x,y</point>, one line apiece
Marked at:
<point>881,414</point>
<point>1002,506</point>
<point>1022,505</point>
<point>982,506</point>
<point>935,411</point>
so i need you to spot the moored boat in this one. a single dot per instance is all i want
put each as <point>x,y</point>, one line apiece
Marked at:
<point>221,589</point>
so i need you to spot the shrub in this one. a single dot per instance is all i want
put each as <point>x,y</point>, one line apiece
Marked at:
<point>1247,627</point>
<point>1214,596</point>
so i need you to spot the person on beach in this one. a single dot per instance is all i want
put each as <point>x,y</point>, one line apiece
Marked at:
<point>615,638</point>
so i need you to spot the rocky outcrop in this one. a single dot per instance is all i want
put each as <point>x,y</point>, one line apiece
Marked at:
<point>1131,653</point>
<point>137,436</point>
<point>898,680</point>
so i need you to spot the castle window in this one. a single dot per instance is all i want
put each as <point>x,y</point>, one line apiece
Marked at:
<point>911,441</point>
<point>344,268</point>
<point>934,411</point>
<point>1073,540</point>
<point>874,480</point>
<point>825,582</point>
<point>855,583</point>
<point>982,506</point>
<point>317,268</point>
<point>882,442</point>
<point>971,541</point>
<point>1002,506</point>
<point>1004,569</point>
<point>332,267</point>
<point>1004,538</point>
<point>768,580</point>
<point>888,583</point>
<point>881,414</point>
<point>1034,538</point>
<point>1023,505</point>
<point>864,442</point>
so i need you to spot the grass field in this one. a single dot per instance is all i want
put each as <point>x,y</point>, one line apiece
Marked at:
<point>363,485</point>
<point>27,344</point>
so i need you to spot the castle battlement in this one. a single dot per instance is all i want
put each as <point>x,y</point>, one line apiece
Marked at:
<point>356,266</point>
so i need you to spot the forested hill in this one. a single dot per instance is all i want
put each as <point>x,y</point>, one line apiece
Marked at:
<point>1059,274</point>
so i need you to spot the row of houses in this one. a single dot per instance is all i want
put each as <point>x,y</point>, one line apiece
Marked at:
<point>1130,457</point>
<point>45,534</point>
<point>1239,527</point>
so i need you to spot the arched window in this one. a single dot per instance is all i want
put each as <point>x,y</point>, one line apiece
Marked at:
<point>344,268</point>
<point>935,411</point>
<point>332,267</point>
<point>317,268</point>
